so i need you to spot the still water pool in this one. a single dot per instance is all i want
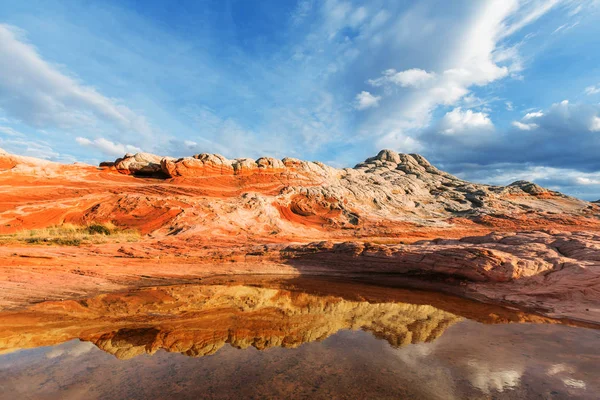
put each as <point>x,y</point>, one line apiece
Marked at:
<point>232,341</point>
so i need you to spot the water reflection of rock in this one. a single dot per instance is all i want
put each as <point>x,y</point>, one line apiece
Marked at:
<point>199,320</point>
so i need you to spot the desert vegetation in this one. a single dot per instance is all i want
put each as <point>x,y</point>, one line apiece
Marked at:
<point>73,235</point>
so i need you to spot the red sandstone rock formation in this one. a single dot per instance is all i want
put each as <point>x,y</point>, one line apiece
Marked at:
<point>206,214</point>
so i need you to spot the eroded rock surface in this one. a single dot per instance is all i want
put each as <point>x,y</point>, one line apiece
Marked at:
<point>390,185</point>
<point>389,195</point>
<point>206,215</point>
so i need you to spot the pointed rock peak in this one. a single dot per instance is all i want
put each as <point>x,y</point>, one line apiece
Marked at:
<point>421,160</point>
<point>388,155</point>
<point>529,187</point>
<point>400,158</point>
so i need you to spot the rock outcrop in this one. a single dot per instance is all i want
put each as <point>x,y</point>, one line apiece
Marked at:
<point>211,165</point>
<point>528,187</point>
<point>145,164</point>
<point>21,163</point>
<point>7,161</point>
<point>389,195</point>
<point>210,215</point>
<point>390,187</point>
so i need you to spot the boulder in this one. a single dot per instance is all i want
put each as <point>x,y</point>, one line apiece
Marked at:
<point>199,165</point>
<point>139,164</point>
<point>244,166</point>
<point>270,163</point>
<point>529,187</point>
<point>388,155</point>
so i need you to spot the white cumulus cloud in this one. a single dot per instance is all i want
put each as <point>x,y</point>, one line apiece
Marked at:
<point>39,94</point>
<point>366,100</point>
<point>595,124</point>
<point>457,121</point>
<point>474,52</point>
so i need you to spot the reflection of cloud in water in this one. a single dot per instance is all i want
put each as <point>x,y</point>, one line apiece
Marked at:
<point>421,357</point>
<point>563,369</point>
<point>70,349</point>
<point>487,378</point>
<point>574,383</point>
<point>559,368</point>
<point>482,374</point>
<point>413,354</point>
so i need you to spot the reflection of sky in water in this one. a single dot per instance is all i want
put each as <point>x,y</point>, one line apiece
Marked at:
<point>565,372</point>
<point>482,374</point>
<point>499,359</point>
<point>470,360</point>
<point>71,349</point>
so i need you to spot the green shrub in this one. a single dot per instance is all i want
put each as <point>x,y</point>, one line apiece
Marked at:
<point>98,229</point>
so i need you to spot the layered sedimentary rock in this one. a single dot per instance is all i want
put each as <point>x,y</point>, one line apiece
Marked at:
<point>490,258</point>
<point>559,272</point>
<point>27,168</point>
<point>139,164</point>
<point>389,186</point>
<point>207,215</point>
<point>385,196</point>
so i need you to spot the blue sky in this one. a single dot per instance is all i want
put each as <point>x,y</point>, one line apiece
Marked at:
<point>492,91</point>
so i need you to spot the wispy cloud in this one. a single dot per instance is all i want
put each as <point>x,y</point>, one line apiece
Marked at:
<point>107,147</point>
<point>523,126</point>
<point>7,130</point>
<point>414,77</point>
<point>40,94</point>
<point>592,90</point>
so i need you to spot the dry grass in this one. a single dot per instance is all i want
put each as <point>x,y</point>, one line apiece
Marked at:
<point>73,235</point>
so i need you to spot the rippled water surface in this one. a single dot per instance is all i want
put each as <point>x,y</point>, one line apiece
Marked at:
<point>307,340</point>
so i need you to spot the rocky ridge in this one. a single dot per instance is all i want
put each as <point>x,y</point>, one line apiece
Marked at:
<point>393,213</point>
<point>389,186</point>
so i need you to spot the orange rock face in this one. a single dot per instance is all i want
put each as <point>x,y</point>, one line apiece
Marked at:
<point>392,195</point>
<point>206,215</point>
